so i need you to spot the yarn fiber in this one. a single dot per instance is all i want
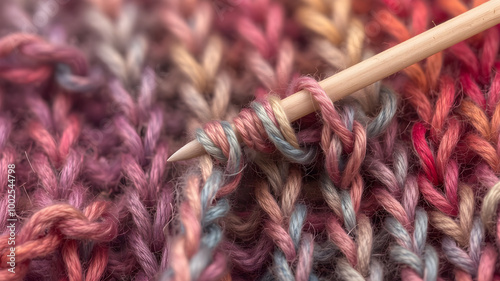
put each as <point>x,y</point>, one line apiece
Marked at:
<point>398,181</point>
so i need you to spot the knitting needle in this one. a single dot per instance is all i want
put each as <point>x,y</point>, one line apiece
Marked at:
<point>381,65</point>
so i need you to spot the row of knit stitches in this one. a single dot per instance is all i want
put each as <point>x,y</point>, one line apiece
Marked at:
<point>260,37</point>
<point>196,254</point>
<point>439,134</point>
<point>197,53</point>
<point>337,42</point>
<point>479,109</point>
<point>41,139</point>
<point>278,213</point>
<point>147,197</point>
<point>144,197</point>
<point>387,166</point>
<point>343,141</point>
<point>118,44</point>
<point>409,226</point>
<point>283,224</point>
<point>262,47</point>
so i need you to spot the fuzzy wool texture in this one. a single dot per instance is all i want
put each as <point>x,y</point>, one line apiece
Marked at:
<point>399,181</point>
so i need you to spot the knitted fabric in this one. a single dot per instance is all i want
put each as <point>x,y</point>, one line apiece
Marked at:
<point>399,181</point>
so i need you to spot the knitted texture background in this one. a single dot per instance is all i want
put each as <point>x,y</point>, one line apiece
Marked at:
<point>398,181</point>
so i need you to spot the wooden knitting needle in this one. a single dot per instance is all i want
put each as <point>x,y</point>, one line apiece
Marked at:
<point>381,65</point>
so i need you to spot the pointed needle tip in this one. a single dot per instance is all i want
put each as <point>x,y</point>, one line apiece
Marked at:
<point>188,151</point>
<point>172,158</point>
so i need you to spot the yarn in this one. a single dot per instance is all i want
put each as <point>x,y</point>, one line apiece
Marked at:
<point>400,180</point>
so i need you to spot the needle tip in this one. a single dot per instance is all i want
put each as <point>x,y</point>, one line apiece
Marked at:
<point>174,157</point>
<point>188,151</point>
